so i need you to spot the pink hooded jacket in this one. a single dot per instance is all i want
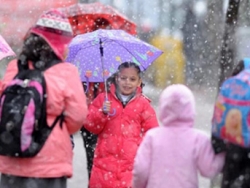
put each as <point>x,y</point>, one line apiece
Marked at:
<point>65,92</point>
<point>172,155</point>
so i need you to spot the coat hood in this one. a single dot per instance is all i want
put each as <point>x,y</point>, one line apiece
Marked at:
<point>177,105</point>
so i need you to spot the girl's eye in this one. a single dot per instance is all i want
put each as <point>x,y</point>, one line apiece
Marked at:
<point>129,79</point>
<point>123,78</point>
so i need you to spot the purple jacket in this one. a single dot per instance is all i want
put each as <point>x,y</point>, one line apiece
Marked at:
<point>173,154</point>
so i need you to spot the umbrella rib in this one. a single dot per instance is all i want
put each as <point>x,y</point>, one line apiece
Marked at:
<point>90,45</point>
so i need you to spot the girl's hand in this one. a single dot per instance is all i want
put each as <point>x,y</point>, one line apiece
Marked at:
<point>106,107</point>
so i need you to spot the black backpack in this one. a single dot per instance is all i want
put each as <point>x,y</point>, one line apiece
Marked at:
<point>23,118</point>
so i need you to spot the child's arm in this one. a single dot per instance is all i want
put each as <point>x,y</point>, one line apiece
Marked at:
<point>96,118</point>
<point>209,164</point>
<point>76,109</point>
<point>9,74</point>
<point>142,163</point>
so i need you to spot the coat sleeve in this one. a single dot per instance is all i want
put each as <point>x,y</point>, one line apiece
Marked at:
<point>142,163</point>
<point>149,119</point>
<point>9,74</point>
<point>75,103</point>
<point>218,144</point>
<point>96,119</point>
<point>209,163</point>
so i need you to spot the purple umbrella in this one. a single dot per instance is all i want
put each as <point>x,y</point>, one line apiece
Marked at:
<point>99,53</point>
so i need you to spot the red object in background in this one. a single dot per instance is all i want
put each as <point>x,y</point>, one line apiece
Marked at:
<point>93,90</point>
<point>17,16</point>
<point>82,17</point>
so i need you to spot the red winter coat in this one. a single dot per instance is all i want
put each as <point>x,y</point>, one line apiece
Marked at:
<point>118,138</point>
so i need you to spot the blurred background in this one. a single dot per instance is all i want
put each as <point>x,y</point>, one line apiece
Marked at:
<point>202,40</point>
<point>190,32</point>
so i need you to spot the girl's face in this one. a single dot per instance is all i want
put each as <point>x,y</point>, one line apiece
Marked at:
<point>128,80</point>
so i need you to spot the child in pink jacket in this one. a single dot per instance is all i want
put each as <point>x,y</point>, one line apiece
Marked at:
<point>173,154</point>
<point>53,165</point>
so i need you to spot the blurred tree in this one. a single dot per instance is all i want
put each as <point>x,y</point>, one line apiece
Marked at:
<point>190,38</point>
<point>242,33</point>
<point>209,45</point>
<point>227,51</point>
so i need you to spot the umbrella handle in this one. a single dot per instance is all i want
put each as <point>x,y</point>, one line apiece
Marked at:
<point>105,81</point>
<point>114,110</point>
<point>113,113</point>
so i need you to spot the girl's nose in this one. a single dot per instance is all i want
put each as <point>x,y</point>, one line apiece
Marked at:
<point>127,80</point>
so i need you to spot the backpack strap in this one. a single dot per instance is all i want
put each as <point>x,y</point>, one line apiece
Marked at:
<point>60,118</point>
<point>246,63</point>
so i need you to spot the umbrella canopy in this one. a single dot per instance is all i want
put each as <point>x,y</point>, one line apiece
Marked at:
<point>5,49</point>
<point>83,17</point>
<point>98,54</point>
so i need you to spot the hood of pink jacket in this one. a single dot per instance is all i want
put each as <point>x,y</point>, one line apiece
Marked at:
<point>177,106</point>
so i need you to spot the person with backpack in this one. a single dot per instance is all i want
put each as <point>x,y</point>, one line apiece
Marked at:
<point>172,155</point>
<point>234,97</point>
<point>120,118</point>
<point>42,104</point>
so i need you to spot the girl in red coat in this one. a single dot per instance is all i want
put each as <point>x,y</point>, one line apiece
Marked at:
<point>120,118</point>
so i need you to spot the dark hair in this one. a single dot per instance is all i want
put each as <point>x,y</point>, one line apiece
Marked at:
<point>239,67</point>
<point>36,50</point>
<point>131,64</point>
<point>111,80</point>
<point>128,65</point>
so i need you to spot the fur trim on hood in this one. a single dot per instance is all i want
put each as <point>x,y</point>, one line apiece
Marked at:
<point>176,105</point>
